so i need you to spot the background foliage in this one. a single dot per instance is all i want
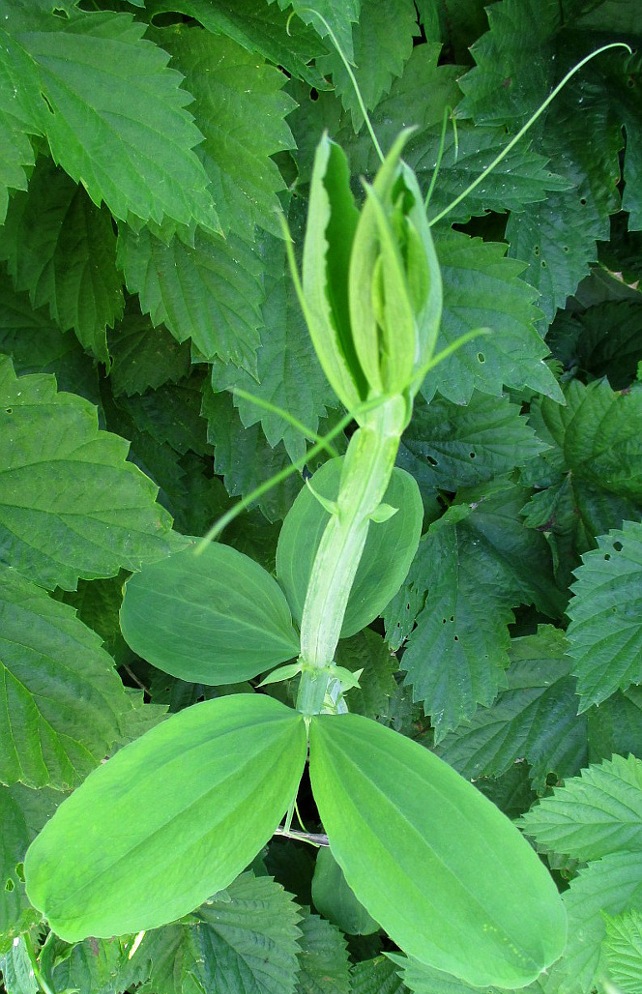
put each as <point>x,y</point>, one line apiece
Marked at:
<point>147,147</point>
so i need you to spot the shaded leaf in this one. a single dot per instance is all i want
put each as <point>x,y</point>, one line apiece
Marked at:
<point>62,249</point>
<point>16,158</point>
<point>339,14</point>
<point>70,505</point>
<point>144,357</point>
<point>210,292</point>
<point>334,899</point>
<point>376,976</point>
<point>17,971</point>
<point>173,789</point>
<point>323,960</point>
<point>605,633</point>
<point>367,651</point>
<point>534,718</point>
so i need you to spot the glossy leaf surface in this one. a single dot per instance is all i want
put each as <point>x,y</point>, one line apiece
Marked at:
<point>389,550</point>
<point>157,829</point>
<point>444,872</point>
<point>215,618</point>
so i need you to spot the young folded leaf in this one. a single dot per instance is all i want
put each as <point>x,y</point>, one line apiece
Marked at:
<point>169,820</point>
<point>441,868</point>
<point>215,618</point>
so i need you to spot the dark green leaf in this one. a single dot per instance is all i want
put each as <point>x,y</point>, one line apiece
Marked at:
<point>62,702</point>
<point>605,633</point>
<point>616,725</point>
<point>144,357</point>
<point>70,505</point>
<point>339,14</point>
<point>376,976</point>
<point>408,831</point>
<point>474,565</point>
<point>534,719</point>
<point>16,158</point>
<point>213,618</point>
<point>323,960</point>
<point>62,249</point>
<point>368,652</point>
<point>173,790</point>
<point>210,292</point>
<point>389,550</point>
<point>17,971</point>
<point>334,899</point>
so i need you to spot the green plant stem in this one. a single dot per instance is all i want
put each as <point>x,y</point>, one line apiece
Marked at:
<point>35,966</point>
<point>368,465</point>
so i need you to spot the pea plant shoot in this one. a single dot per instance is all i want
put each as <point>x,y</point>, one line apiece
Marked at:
<point>158,837</point>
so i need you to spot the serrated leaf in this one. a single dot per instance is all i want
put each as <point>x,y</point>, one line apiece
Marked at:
<point>622,948</point>
<point>422,979</point>
<point>113,114</point>
<point>243,457</point>
<point>70,506</point>
<point>376,976</point>
<point>593,815</point>
<point>92,878</point>
<point>448,446</point>
<point>339,14</point>
<point>605,633</point>
<point>482,289</point>
<point>368,652</point>
<point>62,249</point>
<point>62,701</point>
<point>388,552</point>
<point>22,813</point>
<point>534,718</point>
<point>287,369</point>
<point>616,725</point>
<point>609,341</point>
<point>383,43</point>
<point>17,972</point>
<point>95,966</point>
<point>474,565</point>
<point>323,959</point>
<point>210,292</point>
<point>16,159</point>
<point>171,415</point>
<point>144,357</point>
<point>258,28</point>
<point>215,618</point>
<point>607,887</point>
<point>240,107</point>
<point>439,847</point>
<point>248,942</point>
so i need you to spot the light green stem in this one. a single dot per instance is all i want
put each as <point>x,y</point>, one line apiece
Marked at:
<point>366,473</point>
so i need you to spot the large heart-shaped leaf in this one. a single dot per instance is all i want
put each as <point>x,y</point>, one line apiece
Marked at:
<point>441,868</point>
<point>169,820</point>
<point>214,618</point>
<point>388,553</point>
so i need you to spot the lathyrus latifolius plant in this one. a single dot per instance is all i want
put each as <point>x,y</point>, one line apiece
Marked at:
<point>174,817</point>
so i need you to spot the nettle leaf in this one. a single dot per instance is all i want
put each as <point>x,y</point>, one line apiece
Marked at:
<point>389,549</point>
<point>70,505</point>
<point>605,633</point>
<point>240,107</point>
<point>171,415</point>
<point>474,565</point>
<point>593,481</point>
<point>113,113</point>
<point>593,815</point>
<point>604,888</point>
<point>213,618</point>
<point>367,651</point>
<point>492,915</point>
<point>616,725</point>
<point>16,158</point>
<point>258,28</point>
<point>181,788</point>
<point>62,702</point>
<point>339,14</point>
<point>144,357</point>
<point>534,718</point>
<point>62,249</point>
<point>249,940</point>
<point>323,960</point>
<point>422,979</point>
<point>622,948</point>
<point>210,291</point>
<point>95,966</point>
<point>383,43</point>
<point>23,812</point>
<point>17,971</point>
<point>482,289</point>
<point>376,976</point>
<point>448,446</point>
<point>287,369</point>
<point>244,458</point>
